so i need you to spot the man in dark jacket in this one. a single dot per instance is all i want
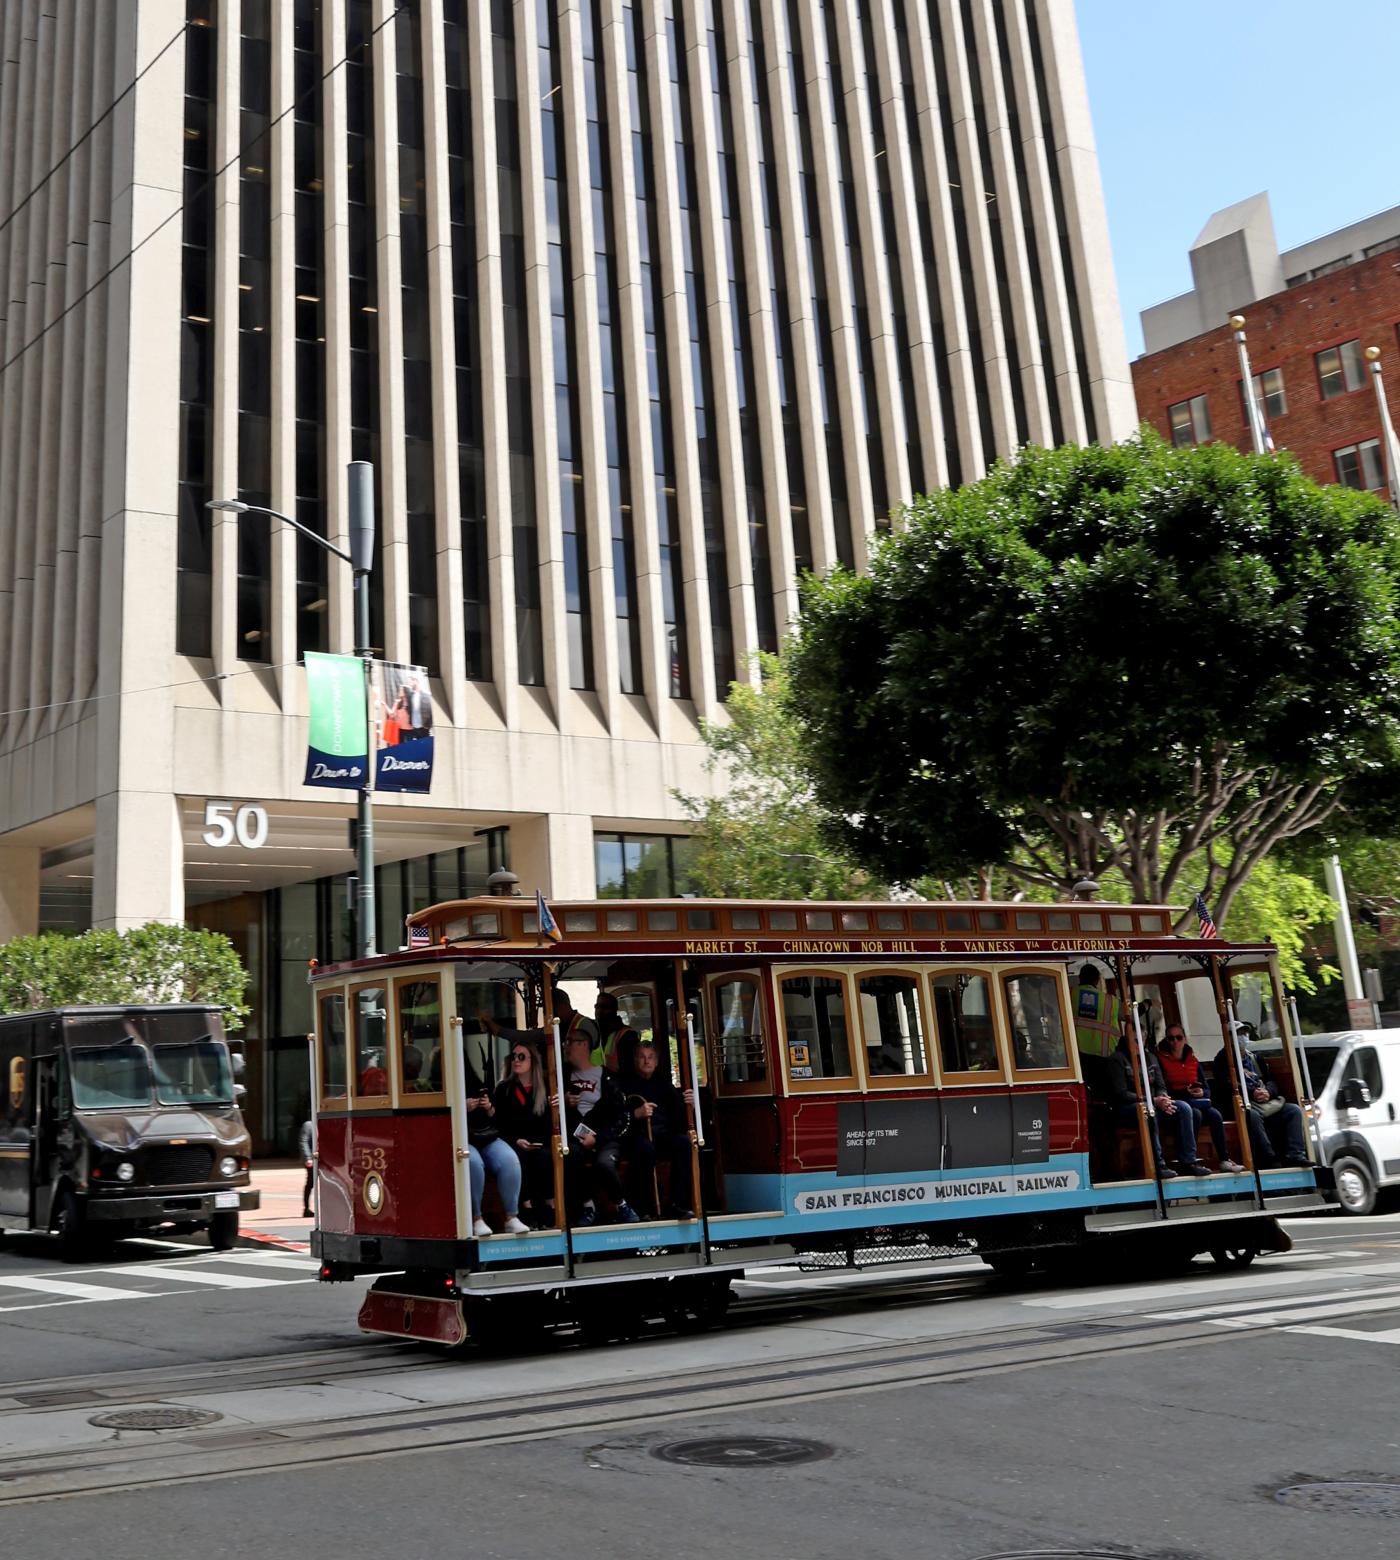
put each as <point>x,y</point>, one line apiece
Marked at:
<point>1175,1116</point>
<point>659,1128</point>
<point>595,1118</point>
<point>1275,1124</point>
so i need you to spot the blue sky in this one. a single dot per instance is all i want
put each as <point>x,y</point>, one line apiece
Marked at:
<point>1199,103</point>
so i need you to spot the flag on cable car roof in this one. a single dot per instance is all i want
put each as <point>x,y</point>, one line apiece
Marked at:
<point>420,937</point>
<point>1208,926</point>
<point>549,927</point>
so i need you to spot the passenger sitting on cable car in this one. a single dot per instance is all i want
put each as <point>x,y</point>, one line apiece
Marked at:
<point>658,1129</point>
<point>487,1150</point>
<point>523,1120</point>
<point>1176,1117</point>
<point>1275,1124</point>
<point>595,1117</point>
<point>618,1039</point>
<point>1186,1081</point>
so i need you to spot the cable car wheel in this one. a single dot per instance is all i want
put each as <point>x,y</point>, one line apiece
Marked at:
<point>1233,1256</point>
<point>693,1304</point>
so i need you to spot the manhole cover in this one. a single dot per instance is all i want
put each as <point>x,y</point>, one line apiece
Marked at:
<point>155,1418</point>
<point>1354,1499</point>
<point>743,1451</point>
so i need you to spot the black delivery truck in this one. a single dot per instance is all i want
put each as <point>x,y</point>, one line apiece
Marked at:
<point>119,1120</point>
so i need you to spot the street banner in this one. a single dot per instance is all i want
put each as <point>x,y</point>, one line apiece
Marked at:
<point>338,742</point>
<point>403,719</point>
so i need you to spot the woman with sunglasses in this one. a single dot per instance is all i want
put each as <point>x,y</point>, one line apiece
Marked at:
<point>522,1117</point>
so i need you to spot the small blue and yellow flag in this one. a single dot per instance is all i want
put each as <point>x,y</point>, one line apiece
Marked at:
<point>549,927</point>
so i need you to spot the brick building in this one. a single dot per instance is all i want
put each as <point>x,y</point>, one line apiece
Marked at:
<point>1310,315</point>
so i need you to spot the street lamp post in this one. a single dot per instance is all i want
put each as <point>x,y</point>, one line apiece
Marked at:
<point>360,476</point>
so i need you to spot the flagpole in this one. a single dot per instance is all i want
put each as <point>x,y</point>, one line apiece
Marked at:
<point>1252,413</point>
<point>1392,448</point>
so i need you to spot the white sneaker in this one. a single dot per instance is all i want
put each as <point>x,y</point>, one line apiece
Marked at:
<point>513,1226</point>
<point>481,1229</point>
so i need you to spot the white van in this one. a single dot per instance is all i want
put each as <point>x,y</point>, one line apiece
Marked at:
<point>1355,1075</point>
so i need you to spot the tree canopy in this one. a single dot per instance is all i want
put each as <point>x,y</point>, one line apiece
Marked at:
<point>152,963</point>
<point>1156,661</point>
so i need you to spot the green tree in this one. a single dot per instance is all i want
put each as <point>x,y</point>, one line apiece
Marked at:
<point>764,837</point>
<point>1136,659</point>
<point>153,963</point>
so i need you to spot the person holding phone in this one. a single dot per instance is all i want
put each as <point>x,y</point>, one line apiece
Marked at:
<point>488,1150</point>
<point>595,1117</point>
<point>523,1120</point>
<point>1186,1082</point>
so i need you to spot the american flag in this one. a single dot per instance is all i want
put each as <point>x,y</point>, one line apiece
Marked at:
<point>1208,926</point>
<point>419,937</point>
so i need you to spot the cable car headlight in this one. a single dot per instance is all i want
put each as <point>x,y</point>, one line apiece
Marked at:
<point>126,1171</point>
<point>228,1165</point>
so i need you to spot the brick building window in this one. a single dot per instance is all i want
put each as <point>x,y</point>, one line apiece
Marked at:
<point>1340,369</point>
<point>1190,421</point>
<point>1268,393</point>
<point>1359,465</point>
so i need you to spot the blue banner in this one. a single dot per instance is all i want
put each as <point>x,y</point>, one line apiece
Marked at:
<point>403,728</point>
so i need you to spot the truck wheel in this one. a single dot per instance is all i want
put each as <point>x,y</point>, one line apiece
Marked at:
<point>71,1228</point>
<point>223,1231</point>
<point>1356,1188</point>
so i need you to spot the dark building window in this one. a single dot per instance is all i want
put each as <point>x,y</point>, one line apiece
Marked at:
<point>642,866</point>
<point>461,175</point>
<point>194,536</point>
<point>309,321</point>
<point>1340,369</point>
<point>1190,421</point>
<point>1359,466</point>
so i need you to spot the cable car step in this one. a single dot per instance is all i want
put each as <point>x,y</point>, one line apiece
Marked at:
<point>429,1320</point>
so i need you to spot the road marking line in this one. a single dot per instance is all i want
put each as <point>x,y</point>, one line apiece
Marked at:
<point>268,1259</point>
<point>68,1287</point>
<point>1274,1278</point>
<point>1392,1335</point>
<point>200,1276</point>
<point>1205,1312</point>
<point>1287,1314</point>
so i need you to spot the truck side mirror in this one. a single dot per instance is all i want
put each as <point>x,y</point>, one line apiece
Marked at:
<point>237,1063</point>
<point>239,1093</point>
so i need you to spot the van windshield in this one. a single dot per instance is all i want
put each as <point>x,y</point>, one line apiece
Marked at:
<point>114,1077</point>
<point>195,1074</point>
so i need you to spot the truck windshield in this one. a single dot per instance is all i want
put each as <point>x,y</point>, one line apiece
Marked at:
<point>194,1074</point>
<point>112,1077</point>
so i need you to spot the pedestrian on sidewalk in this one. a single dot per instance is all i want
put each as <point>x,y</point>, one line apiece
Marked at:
<point>308,1154</point>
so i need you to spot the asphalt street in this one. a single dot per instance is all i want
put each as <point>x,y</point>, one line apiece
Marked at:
<point>939,1412</point>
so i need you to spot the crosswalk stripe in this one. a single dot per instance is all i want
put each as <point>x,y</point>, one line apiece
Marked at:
<point>1389,1335</point>
<point>1208,1312</point>
<point>1273,1278</point>
<point>69,1288</point>
<point>272,1259</point>
<point>1283,1316</point>
<point>199,1276</point>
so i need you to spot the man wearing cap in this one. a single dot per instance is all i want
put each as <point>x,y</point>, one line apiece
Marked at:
<point>1275,1124</point>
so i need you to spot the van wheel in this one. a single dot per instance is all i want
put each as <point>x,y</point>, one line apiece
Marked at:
<point>1356,1188</point>
<point>223,1231</point>
<point>70,1227</point>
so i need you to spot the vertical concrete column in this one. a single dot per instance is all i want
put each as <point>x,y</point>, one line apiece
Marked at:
<point>224,417</point>
<point>495,428</point>
<point>1105,348</point>
<point>138,872</point>
<point>19,891</point>
<point>281,172</point>
<point>553,853</point>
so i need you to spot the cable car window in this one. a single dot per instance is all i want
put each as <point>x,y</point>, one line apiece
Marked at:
<point>485,1053</point>
<point>371,1063</point>
<point>925,920</point>
<point>1090,923</point>
<point>892,1026</point>
<point>890,920</point>
<point>332,1027</point>
<point>782,920</point>
<point>819,921</point>
<point>622,920</point>
<point>991,920</point>
<point>745,920</point>
<point>1120,923</point>
<point>580,921</point>
<point>739,1016</point>
<point>1059,921</point>
<point>815,1027</point>
<point>420,1034</point>
<point>661,920</point>
<point>700,920</point>
<point>962,1014</point>
<point>959,921</point>
<point>855,921</point>
<point>1037,1022</point>
<point>1028,920</point>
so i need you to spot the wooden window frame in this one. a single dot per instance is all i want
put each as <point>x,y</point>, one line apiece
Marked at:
<point>878,1081</point>
<point>964,1080</point>
<point>358,1101</point>
<point>332,1102</point>
<point>1059,974</point>
<point>763,1087</point>
<point>848,1084</point>
<point>403,1100</point>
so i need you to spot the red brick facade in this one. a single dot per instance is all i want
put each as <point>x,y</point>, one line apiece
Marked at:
<point>1286,331</point>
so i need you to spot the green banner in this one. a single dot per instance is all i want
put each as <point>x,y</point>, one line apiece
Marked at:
<point>338,742</point>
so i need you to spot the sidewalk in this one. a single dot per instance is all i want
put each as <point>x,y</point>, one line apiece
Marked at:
<point>278,1222</point>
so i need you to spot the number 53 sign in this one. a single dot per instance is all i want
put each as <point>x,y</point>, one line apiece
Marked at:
<point>224,823</point>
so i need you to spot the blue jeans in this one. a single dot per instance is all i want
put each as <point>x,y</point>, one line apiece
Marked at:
<point>504,1164</point>
<point>1204,1111</point>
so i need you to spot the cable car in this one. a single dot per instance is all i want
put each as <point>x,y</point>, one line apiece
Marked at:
<point>863,1083</point>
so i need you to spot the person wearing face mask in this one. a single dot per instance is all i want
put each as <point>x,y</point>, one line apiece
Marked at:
<point>658,1130</point>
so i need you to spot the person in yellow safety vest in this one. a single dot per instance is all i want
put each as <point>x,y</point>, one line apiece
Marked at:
<point>618,1041</point>
<point>1097,1020</point>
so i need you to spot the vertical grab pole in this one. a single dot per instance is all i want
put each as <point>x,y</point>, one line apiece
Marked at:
<point>454,1075</point>
<point>314,1072</point>
<point>1237,1056</point>
<point>697,1135</point>
<point>1226,1008</point>
<point>561,1190</point>
<point>1148,1131</point>
<point>1310,1103</point>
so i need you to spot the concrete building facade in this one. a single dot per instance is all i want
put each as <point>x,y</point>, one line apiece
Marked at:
<point>638,309</point>
<point>1310,314</point>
